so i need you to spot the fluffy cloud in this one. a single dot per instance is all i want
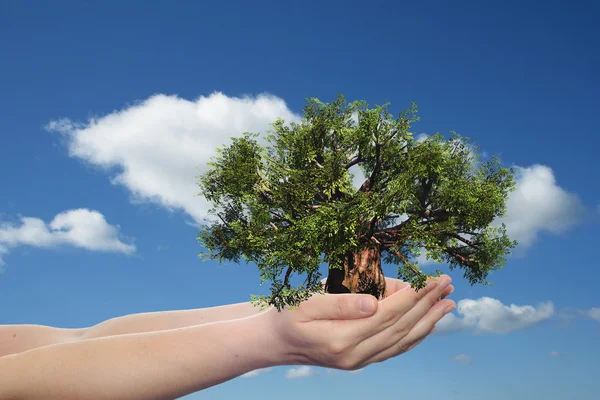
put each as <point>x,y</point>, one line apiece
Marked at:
<point>487,315</point>
<point>158,146</point>
<point>539,205</point>
<point>300,372</point>
<point>256,372</point>
<point>81,228</point>
<point>463,359</point>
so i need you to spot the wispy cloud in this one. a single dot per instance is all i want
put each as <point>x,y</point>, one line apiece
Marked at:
<point>80,228</point>
<point>256,372</point>
<point>301,372</point>
<point>463,359</point>
<point>488,315</point>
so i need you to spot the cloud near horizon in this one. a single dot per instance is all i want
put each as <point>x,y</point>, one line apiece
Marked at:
<point>301,372</point>
<point>256,372</point>
<point>81,228</point>
<point>156,147</point>
<point>488,315</point>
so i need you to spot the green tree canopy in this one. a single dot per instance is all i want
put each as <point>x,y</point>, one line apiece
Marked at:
<point>290,205</point>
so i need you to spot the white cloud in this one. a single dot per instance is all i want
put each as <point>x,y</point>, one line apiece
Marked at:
<point>463,359</point>
<point>256,372</point>
<point>487,315</point>
<point>300,372</point>
<point>593,313</point>
<point>158,146</point>
<point>81,228</point>
<point>539,205</point>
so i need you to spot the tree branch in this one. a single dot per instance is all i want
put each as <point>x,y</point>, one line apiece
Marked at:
<point>464,240</point>
<point>426,185</point>
<point>397,229</point>
<point>357,159</point>
<point>401,257</point>
<point>286,280</point>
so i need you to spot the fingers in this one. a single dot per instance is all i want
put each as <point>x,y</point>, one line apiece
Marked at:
<point>423,306</point>
<point>427,323</point>
<point>447,292</point>
<point>338,307</point>
<point>412,346</point>
<point>420,331</point>
<point>394,307</point>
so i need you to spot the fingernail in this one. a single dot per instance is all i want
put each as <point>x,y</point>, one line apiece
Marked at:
<point>449,309</point>
<point>431,285</point>
<point>367,305</point>
<point>445,283</point>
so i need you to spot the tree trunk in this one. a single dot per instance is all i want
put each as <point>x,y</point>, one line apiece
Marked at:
<point>362,273</point>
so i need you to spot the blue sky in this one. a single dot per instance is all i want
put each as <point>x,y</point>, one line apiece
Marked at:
<point>108,109</point>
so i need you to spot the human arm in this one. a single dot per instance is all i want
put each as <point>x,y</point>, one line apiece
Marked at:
<point>19,338</point>
<point>155,365</point>
<point>326,330</point>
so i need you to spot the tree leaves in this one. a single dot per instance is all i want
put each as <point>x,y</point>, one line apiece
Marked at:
<point>290,206</point>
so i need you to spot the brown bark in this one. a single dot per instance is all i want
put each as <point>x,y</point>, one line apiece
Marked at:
<point>362,273</point>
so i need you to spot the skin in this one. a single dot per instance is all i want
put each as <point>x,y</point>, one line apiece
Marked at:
<point>171,354</point>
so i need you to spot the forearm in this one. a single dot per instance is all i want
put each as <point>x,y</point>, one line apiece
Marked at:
<point>164,320</point>
<point>19,338</point>
<point>156,365</point>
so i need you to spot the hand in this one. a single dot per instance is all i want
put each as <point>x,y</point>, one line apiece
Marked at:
<point>351,331</point>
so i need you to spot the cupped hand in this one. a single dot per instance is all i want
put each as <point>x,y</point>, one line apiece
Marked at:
<point>351,331</point>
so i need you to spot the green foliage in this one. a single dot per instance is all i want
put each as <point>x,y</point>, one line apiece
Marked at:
<point>290,206</point>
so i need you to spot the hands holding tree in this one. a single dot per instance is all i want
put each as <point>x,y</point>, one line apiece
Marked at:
<point>352,331</point>
<point>289,208</point>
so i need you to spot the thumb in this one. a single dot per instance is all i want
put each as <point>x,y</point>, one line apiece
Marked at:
<point>340,306</point>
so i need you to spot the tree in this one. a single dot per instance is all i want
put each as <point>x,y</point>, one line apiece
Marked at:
<point>288,205</point>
